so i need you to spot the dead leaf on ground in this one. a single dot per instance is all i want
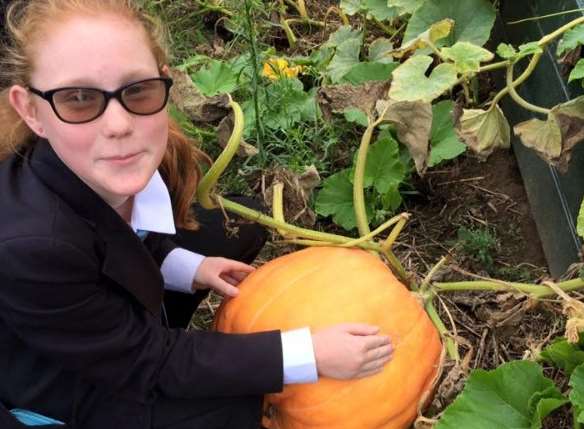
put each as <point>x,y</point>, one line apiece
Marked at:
<point>192,103</point>
<point>413,124</point>
<point>224,131</point>
<point>298,189</point>
<point>337,98</point>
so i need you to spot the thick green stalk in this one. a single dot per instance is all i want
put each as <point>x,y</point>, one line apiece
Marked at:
<point>517,98</point>
<point>358,181</point>
<point>535,291</point>
<point>451,347</point>
<point>208,182</point>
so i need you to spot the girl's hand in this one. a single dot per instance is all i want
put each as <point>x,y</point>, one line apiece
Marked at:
<point>350,350</point>
<point>221,274</point>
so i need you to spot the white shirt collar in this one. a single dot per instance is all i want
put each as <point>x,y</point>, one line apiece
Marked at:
<point>152,209</point>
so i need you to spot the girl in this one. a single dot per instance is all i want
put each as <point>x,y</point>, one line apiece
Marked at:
<point>94,181</point>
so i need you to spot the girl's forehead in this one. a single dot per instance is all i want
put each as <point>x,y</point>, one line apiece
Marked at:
<point>102,49</point>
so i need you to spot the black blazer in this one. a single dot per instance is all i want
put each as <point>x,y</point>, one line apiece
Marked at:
<point>81,338</point>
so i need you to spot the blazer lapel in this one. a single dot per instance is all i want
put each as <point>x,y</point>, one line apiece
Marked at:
<point>126,260</point>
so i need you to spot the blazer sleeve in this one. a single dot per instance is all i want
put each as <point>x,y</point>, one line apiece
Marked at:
<point>54,298</point>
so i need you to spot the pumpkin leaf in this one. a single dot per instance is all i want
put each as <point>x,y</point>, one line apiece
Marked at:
<point>467,57</point>
<point>345,58</point>
<point>410,82</point>
<point>578,71</point>
<point>343,34</point>
<point>435,32</point>
<point>484,130</point>
<point>356,116</point>
<point>380,51</point>
<point>336,199</point>
<point>563,354</point>
<point>580,221</point>
<point>572,38</point>
<point>218,78</point>
<point>508,52</point>
<point>554,139</point>
<point>405,6</point>
<point>384,170</point>
<point>413,122</point>
<point>577,394</point>
<point>515,395</point>
<point>473,20</point>
<point>377,9</point>
<point>364,72</point>
<point>543,136</point>
<point>444,142</point>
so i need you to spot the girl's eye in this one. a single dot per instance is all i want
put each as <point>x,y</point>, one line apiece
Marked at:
<point>77,96</point>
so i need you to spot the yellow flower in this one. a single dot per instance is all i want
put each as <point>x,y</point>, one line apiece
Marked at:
<point>276,68</point>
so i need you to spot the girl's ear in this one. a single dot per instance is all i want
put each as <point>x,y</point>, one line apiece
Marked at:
<point>165,71</point>
<point>20,100</point>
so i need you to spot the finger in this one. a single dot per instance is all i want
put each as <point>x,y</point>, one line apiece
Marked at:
<point>360,329</point>
<point>383,352</point>
<point>376,365</point>
<point>239,275</point>
<point>225,289</point>
<point>375,341</point>
<point>233,265</point>
<point>230,279</point>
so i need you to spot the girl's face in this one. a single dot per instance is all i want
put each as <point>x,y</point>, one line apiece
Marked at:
<point>117,153</point>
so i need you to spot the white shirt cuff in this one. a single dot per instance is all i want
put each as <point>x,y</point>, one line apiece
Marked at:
<point>298,354</point>
<point>179,268</point>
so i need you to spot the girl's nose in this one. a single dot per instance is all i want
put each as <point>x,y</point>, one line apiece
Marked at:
<point>117,120</point>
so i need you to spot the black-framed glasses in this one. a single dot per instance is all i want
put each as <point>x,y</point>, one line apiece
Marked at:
<point>78,105</point>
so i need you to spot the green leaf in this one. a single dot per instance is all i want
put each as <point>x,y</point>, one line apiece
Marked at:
<point>444,141</point>
<point>410,82</point>
<point>342,35</point>
<point>364,72</point>
<point>467,57</point>
<point>218,78</point>
<point>384,169</point>
<point>336,199</point>
<point>578,71</point>
<point>506,51</point>
<point>352,7</point>
<point>346,57</point>
<point>514,396</point>
<point>380,51</point>
<point>392,199</point>
<point>356,115</point>
<point>379,10</point>
<point>580,221</point>
<point>405,6</point>
<point>563,355</point>
<point>435,32</point>
<point>484,130</point>
<point>572,38</point>
<point>473,20</point>
<point>577,394</point>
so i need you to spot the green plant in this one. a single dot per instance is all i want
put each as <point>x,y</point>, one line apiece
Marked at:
<point>479,244</point>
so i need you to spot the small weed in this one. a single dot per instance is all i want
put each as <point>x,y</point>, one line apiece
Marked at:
<point>478,244</point>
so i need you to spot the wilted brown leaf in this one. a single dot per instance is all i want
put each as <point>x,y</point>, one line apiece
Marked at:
<point>437,31</point>
<point>554,139</point>
<point>484,130</point>
<point>337,98</point>
<point>192,103</point>
<point>298,189</point>
<point>413,123</point>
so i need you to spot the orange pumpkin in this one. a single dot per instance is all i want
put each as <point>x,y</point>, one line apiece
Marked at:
<point>321,286</point>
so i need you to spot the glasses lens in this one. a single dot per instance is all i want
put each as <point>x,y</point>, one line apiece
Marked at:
<point>146,97</point>
<point>78,104</point>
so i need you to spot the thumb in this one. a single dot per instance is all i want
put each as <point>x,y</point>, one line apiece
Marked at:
<point>360,329</point>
